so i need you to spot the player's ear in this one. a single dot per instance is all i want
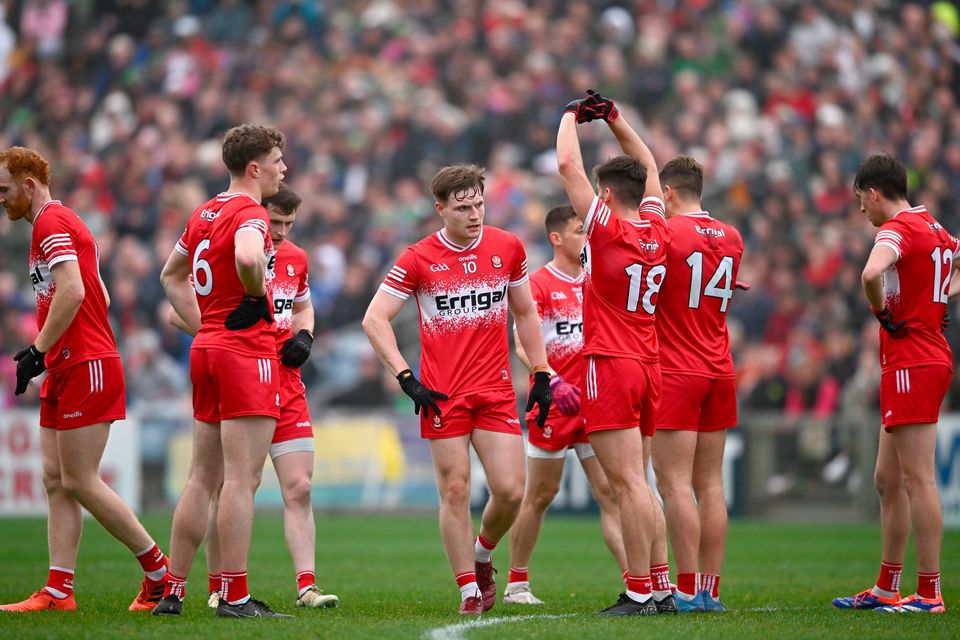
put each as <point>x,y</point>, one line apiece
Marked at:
<point>439,208</point>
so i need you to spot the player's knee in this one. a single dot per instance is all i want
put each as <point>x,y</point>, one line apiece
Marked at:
<point>455,491</point>
<point>918,482</point>
<point>52,482</point>
<point>75,484</point>
<point>541,496</point>
<point>297,492</point>
<point>887,482</point>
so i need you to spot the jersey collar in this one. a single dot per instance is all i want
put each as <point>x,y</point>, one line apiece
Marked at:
<point>44,208</point>
<point>453,246</point>
<point>562,276</point>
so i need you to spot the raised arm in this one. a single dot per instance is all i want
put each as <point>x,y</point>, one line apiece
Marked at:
<point>630,141</point>
<point>570,164</point>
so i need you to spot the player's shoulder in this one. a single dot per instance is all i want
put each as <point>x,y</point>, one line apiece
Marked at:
<point>54,216</point>
<point>498,236</point>
<point>291,251</point>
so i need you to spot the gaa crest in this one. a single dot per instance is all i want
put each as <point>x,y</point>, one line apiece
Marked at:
<point>290,271</point>
<point>496,261</point>
<point>548,432</point>
<point>436,422</point>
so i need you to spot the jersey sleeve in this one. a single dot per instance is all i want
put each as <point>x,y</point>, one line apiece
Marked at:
<point>182,245</point>
<point>895,235</point>
<point>652,205</point>
<point>254,218</point>
<point>518,275</point>
<point>303,282</point>
<point>539,296</point>
<point>402,279</point>
<point>55,239</point>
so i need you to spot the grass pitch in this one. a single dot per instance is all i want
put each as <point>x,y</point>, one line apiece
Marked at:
<point>394,582</point>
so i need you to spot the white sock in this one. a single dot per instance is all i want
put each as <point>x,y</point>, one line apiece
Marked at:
<point>481,553</point>
<point>469,590</point>
<point>518,585</point>
<point>56,593</point>
<point>685,596</point>
<point>242,600</point>
<point>660,595</point>
<point>639,597</point>
<point>883,593</point>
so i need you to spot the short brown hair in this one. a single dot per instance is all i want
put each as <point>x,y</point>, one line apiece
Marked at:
<point>684,175</point>
<point>558,217</point>
<point>884,173</point>
<point>626,178</point>
<point>286,200</point>
<point>249,142</point>
<point>26,163</point>
<point>458,180</point>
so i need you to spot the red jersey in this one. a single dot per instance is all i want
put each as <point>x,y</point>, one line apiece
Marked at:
<point>59,235</point>
<point>559,300</point>
<point>702,263</point>
<point>209,241</point>
<point>287,283</point>
<point>915,289</point>
<point>462,296</point>
<point>624,266</point>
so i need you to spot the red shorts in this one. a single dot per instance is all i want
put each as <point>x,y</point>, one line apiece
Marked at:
<point>231,385</point>
<point>294,419</point>
<point>558,433</point>
<point>913,395</point>
<point>490,410</point>
<point>697,403</point>
<point>620,393</point>
<point>86,393</point>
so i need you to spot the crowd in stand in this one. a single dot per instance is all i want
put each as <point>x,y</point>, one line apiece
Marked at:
<point>780,99</point>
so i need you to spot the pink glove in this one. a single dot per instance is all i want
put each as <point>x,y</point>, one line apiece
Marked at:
<point>566,396</point>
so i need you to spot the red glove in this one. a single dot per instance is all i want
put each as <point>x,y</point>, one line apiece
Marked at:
<point>565,396</point>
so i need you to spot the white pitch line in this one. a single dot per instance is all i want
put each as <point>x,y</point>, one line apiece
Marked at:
<point>457,631</point>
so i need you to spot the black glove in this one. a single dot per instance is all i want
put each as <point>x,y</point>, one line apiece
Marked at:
<point>895,329</point>
<point>296,350</point>
<point>30,364</point>
<point>250,311</point>
<point>540,394</point>
<point>422,397</point>
<point>581,109</point>
<point>945,322</point>
<point>603,108</point>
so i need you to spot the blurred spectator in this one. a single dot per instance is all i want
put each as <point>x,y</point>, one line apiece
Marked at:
<point>779,100</point>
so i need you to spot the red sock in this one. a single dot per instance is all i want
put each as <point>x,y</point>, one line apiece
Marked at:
<point>710,582</point>
<point>465,578</point>
<point>467,581</point>
<point>175,586</point>
<point>928,585</point>
<point>624,576</point>
<point>640,585</point>
<point>214,580</point>
<point>60,582</point>
<point>889,579</point>
<point>304,580</point>
<point>518,574</point>
<point>154,563</point>
<point>233,586</point>
<point>660,574</point>
<point>687,583</point>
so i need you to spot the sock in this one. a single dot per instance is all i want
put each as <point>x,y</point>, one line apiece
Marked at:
<point>483,549</point>
<point>233,587</point>
<point>687,584</point>
<point>154,563</point>
<point>305,580</point>
<point>214,581</point>
<point>889,580</point>
<point>59,582</point>
<point>467,581</point>
<point>176,586</point>
<point>710,582</point>
<point>639,588</point>
<point>660,574</point>
<point>928,585</point>
<point>518,574</point>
